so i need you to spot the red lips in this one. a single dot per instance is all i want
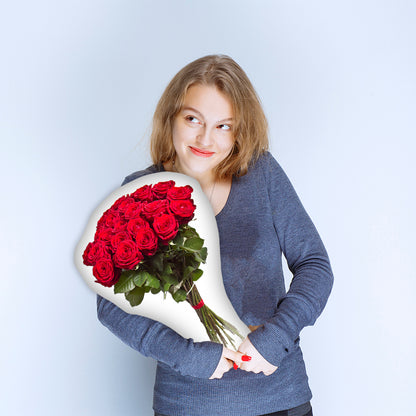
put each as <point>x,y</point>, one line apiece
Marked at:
<point>200,152</point>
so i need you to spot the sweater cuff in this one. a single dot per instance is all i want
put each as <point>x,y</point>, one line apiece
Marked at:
<point>203,360</point>
<point>195,359</point>
<point>270,343</point>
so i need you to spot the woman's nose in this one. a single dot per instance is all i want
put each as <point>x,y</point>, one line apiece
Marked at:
<point>204,137</point>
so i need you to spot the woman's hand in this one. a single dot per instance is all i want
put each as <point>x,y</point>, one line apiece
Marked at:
<point>228,360</point>
<point>257,363</point>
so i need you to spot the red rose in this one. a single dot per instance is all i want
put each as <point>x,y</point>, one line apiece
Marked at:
<point>119,224</point>
<point>146,241</point>
<point>104,234</point>
<point>132,210</point>
<point>160,189</point>
<point>127,255</point>
<point>119,201</point>
<point>107,219</point>
<point>94,251</point>
<point>155,209</point>
<point>117,238</point>
<point>143,194</point>
<point>125,203</point>
<point>183,210</point>
<point>166,227</point>
<point>134,225</point>
<point>105,272</point>
<point>179,192</point>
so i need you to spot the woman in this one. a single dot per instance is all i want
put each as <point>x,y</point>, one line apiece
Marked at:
<point>209,124</point>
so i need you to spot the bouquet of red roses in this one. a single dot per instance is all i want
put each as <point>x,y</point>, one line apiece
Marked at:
<point>144,244</point>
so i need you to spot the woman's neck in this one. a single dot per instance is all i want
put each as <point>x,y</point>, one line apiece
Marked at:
<point>206,180</point>
<point>217,191</point>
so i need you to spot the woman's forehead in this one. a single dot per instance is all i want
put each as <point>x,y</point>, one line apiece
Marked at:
<point>208,100</point>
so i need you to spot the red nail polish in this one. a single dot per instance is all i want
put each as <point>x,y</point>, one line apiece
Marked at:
<point>235,366</point>
<point>245,358</point>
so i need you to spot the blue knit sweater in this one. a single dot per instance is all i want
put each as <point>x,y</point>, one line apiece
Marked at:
<point>262,219</point>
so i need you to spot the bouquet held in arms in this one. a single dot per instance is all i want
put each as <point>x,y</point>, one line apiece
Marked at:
<point>144,245</point>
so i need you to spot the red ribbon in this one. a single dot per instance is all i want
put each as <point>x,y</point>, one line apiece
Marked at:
<point>199,306</point>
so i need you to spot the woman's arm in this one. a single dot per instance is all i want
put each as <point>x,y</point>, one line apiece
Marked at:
<point>308,261</point>
<point>155,340</point>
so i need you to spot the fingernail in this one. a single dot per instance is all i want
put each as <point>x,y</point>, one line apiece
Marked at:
<point>245,358</point>
<point>235,366</point>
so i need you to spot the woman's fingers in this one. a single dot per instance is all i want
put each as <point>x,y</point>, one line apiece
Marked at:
<point>230,359</point>
<point>257,363</point>
<point>235,356</point>
<point>224,364</point>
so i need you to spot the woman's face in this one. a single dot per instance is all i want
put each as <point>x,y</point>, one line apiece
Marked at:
<point>202,131</point>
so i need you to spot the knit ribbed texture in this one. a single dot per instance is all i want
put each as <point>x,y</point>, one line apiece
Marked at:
<point>262,219</point>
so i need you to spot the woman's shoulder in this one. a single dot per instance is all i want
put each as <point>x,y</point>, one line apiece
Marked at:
<point>265,164</point>
<point>267,171</point>
<point>138,174</point>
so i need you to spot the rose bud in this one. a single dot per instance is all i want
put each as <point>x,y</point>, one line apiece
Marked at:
<point>125,203</point>
<point>143,194</point>
<point>127,256</point>
<point>155,209</point>
<point>105,272</point>
<point>94,251</point>
<point>132,210</point>
<point>105,235</point>
<point>134,225</point>
<point>183,210</point>
<point>146,241</point>
<point>119,201</point>
<point>117,238</point>
<point>179,192</point>
<point>160,189</point>
<point>166,227</point>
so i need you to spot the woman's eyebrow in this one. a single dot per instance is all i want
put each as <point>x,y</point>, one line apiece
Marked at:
<point>200,114</point>
<point>192,109</point>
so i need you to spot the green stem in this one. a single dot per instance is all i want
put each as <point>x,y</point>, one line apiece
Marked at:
<point>215,326</point>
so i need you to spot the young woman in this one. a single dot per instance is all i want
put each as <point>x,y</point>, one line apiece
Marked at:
<point>209,125</point>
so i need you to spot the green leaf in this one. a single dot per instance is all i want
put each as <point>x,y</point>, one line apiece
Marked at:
<point>190,233</point>
<point>125,283</point>
<point>169,278</point>
<point>201,255</point>
<point>154,291</point>
<point>129,273</point>
<point>196,274</point>
<point>157,261</point>
<point>167,269</point>
<point>191,261</point>
<point>135,296</point>
<point>166,287</point>
<point>152,282</point>
<point>178,240</point>
<point>179,295</point>
<point>188,270</point>
<point>140,278</point>
<point>194,243</point>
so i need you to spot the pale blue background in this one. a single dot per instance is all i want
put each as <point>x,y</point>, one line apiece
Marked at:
<point>79,81</point>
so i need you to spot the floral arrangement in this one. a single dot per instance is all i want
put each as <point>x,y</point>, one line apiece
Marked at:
<point>144,244</point>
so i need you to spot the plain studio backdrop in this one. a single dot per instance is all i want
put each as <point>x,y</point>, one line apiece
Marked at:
<point>79,81</point>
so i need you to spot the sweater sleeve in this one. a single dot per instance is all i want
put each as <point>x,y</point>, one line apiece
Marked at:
<point>156,340</point>
<point>308,261</point>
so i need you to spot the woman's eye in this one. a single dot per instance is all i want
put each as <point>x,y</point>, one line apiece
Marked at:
<point>224,127</point>
<point>192,119</point>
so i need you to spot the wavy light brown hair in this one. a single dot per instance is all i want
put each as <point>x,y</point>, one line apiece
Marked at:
<point>250,129</point>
